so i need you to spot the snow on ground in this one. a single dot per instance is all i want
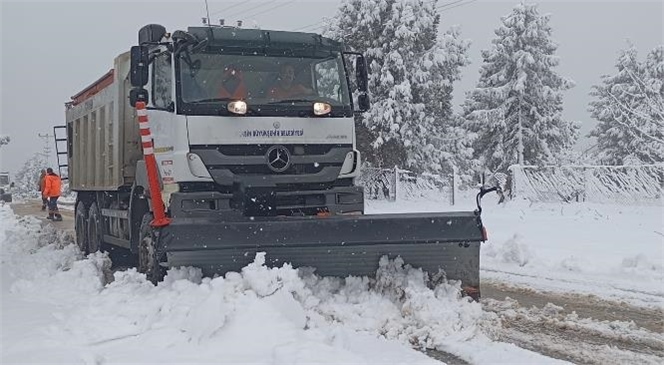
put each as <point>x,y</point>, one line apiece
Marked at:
<point>59,307</point>
<point>612,251</point>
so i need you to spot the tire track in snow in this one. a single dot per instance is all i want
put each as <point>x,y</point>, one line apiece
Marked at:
<point>577,328</point>
<point>587,306</point>
<point>643,298</point>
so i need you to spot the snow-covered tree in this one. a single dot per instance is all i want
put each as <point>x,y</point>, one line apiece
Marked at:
<point>516,109</point>
<point>27,178</point>
<point>630,110</point>
<point>653,88</point>
<point>411,71</point>
<point>4,140</point>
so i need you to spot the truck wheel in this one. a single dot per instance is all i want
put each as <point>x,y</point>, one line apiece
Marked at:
<point>81,227</point>
<point>148,256</point>
<point>95,238</point>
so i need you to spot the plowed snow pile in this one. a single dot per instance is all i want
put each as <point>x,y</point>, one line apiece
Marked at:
<point>58,306</point>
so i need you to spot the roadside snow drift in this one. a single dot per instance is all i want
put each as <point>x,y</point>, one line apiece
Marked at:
<point>58,306</point>
<point>615,252</point>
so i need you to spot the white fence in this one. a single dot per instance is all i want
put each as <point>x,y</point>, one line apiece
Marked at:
<point>396,184</point>
<point>641,184</point>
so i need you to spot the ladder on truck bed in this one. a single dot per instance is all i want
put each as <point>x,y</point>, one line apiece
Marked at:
<point>62,148</point>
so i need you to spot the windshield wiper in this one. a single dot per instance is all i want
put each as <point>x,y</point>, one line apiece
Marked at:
<point>211,100</point>
<point>292,101</point>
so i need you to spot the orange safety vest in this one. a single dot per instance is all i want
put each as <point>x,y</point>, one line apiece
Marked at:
<point>240,89</point>
<point>52,186</point>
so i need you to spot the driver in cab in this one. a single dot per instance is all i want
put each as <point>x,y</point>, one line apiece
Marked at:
<point>286,87</point>
<point>232,84</point>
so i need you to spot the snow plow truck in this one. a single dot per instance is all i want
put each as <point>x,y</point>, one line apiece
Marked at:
<point>194,151</point>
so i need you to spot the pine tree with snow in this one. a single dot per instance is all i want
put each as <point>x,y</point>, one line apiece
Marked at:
<point>515,111</point>
<point>411,71</point>
<point>27,178</point>
<point>653,86</point>
<point>4,140</point>
<point>630,110</point>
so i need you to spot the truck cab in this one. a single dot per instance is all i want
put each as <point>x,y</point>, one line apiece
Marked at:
<point>257,122</point>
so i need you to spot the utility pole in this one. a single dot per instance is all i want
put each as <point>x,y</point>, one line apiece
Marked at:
<point>47,146</point>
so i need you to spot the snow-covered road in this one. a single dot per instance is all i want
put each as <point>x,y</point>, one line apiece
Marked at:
<point>58,307</point>
<point>580,282</point>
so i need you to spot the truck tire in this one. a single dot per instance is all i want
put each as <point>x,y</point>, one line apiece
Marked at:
<point>95,232</point>
<point>148,256</point>
<point>81,228</point>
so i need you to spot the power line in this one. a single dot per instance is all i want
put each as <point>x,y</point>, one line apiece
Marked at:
<point>440,8</point>
<point>231,7</point>
<point>456,6</point>
<point>308,26</point>
<point>443,7</point>
<point>448,4</point>
<point>47,145</point>
<point>272,8</point>
<point>251,8</point>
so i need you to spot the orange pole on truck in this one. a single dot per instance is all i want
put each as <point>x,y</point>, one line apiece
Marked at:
<point>159,211</point>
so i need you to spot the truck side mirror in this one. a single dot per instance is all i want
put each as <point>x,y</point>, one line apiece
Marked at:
<point>137,94</point>
<point>363,102</point>
<point>139,66</point>
<point>361,73</point>
<point>151,33</point>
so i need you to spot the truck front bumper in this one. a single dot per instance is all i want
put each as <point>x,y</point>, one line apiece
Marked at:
<point>336,200</point>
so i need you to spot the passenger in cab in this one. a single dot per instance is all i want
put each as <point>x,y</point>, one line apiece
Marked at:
<point>286,87</point>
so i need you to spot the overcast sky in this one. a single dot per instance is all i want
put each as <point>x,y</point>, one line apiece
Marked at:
<point>53,49</point>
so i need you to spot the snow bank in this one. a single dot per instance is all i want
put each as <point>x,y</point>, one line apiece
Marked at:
<point>612,251</point>
<point>77,312</point>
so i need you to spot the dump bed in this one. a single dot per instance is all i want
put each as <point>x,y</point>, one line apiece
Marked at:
<point>102,133</point>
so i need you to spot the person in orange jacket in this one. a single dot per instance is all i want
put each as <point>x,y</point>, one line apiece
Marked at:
<point>232,84</point>
<point>52,191</point>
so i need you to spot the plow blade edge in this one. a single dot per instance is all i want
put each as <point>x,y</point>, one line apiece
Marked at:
<point>334,246</point>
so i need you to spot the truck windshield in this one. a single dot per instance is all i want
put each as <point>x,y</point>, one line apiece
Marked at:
<point>270,85</point>
<point>4,180</point>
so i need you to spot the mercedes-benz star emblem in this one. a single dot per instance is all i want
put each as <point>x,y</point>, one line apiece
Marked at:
<point>278,158</point>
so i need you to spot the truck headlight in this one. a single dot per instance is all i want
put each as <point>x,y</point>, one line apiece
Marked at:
<point>237,107</point>
<point>322,108</point>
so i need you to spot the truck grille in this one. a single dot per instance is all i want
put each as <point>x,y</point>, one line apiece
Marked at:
<point>264,170</point>
<point>261,149</point>
<point>248,164</point>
